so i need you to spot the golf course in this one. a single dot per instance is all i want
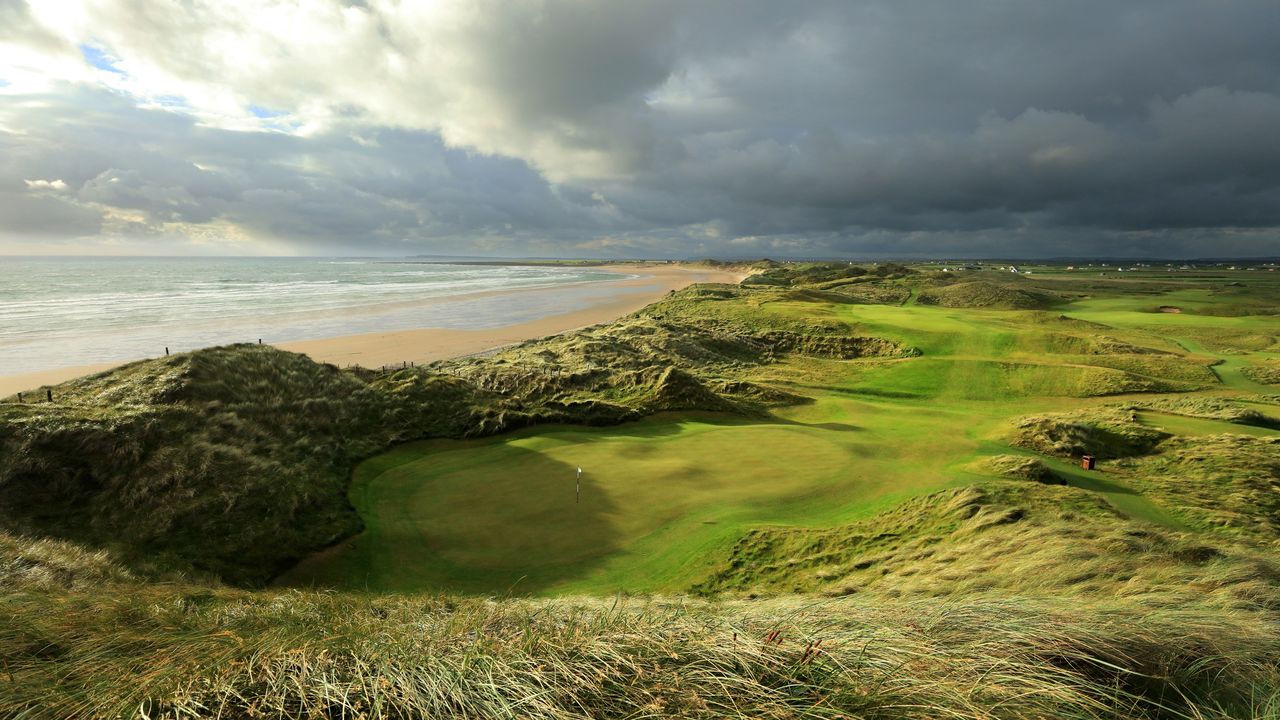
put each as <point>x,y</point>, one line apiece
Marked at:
<point>663,500</point>
<point>827,491</point>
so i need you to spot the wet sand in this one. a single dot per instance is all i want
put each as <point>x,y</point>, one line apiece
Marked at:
<point>426,344</point>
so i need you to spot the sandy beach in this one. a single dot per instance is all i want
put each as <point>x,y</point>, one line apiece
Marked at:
<point>426,344</point>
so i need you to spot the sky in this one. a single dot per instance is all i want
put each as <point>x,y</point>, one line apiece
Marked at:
<point>662,128</point>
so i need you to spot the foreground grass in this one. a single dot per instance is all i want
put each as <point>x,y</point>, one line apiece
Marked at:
<point>168,652</point>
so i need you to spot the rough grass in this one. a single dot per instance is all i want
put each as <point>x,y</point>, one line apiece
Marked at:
<point>178,462</point>
<point>1021,539</point>
<point>1018,466</point>
<point>1101,432</point>
<point>987,294</point>
<point>43,565</point>
<point>1266,374</point>
<point>1225,483</point>
<point>169,652</point>
<point>1180,374</point>
<point>1211,408</point>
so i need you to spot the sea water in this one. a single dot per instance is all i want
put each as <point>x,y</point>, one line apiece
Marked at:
<point>60,312</point>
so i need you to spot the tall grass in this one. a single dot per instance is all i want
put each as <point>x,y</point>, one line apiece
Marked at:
<point>165,652</point>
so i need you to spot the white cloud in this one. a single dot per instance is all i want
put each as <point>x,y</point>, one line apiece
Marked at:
<point>57,185</point>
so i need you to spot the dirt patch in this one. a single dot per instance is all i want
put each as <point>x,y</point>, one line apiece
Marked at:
<point>1169,309</point>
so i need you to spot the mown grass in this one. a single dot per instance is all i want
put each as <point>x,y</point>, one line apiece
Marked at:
<point>501,515</point>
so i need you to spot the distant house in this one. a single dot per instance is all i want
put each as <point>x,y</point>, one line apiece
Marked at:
<point>1014,269</point>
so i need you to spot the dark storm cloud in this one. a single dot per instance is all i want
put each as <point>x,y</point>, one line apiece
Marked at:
<point>889,128</point>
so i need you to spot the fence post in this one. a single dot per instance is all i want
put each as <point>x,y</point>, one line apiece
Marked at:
<point>19,397</point>
<point>166,351</point>
<point>48,395</point>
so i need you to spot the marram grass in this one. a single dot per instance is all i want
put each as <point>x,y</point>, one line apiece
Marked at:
<point>166,652</point>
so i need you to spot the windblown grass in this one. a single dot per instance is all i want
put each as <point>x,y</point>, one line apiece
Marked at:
<point>1101,432</point>
<point>168,653</point>
<point>1266,374</point>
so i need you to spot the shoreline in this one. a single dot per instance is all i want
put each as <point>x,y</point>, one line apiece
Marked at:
<point>422,345</point>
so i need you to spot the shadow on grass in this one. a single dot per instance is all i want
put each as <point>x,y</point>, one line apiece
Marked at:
<point>510,525</point>
<point>833,426</point>
<point>1095,483</point>
<point>877,392</point>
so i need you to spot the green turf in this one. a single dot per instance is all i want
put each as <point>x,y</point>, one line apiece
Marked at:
<point>663,500</point>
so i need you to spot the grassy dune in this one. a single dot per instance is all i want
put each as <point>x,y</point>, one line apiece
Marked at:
<point>839,492</point>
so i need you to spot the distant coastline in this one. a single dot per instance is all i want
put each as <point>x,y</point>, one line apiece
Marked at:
<point>638,285</point>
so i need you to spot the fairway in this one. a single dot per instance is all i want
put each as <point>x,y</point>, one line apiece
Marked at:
<point>664,500</point>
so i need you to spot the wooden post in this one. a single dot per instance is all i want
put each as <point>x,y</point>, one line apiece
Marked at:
<point>48,395</point>
<point>166,351</point>
<point>259,341</point>
<point>19,397</point>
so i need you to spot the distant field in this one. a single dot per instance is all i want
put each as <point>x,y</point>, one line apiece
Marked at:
<point>664,500</point>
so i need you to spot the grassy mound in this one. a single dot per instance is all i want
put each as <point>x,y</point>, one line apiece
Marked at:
<point>1103,433</point>
<point>1234,340</point>
<point>838,347</point>
<point>43,565</point>
<point>175,462</point>
<point>1020,467</point>
<point>1268,374</point>
<point>1211,408</point>
<point>870,293</point>
<point>1223,483</point>
<point>1177,374</point>
<point>1010,538</point>
<point>987,294</point>
<point>824,274</point>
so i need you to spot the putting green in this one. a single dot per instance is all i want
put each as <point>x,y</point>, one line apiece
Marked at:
<point>659,498</point>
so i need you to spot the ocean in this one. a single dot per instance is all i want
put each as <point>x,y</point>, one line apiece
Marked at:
<point>62,312</point>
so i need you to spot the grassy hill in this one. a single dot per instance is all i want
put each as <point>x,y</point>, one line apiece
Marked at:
<point>837,491</point>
